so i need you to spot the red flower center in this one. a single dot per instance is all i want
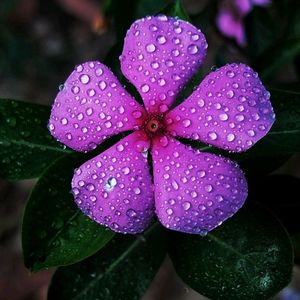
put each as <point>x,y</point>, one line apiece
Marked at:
<point>154,125</point>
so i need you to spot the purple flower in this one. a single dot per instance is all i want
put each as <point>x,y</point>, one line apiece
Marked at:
<point>230,18</point>
<point>193,191</point>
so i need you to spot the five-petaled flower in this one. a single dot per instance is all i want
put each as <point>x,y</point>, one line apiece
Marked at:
<point>192,191</point>
<point>230,18</point>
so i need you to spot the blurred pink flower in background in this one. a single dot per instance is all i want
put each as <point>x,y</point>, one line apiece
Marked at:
<point>230,18</point>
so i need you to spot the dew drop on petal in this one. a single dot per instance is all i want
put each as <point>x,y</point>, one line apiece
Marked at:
<point>175,184</point>
<point>150,48</point>
<point>110,184</point>
<point>193,49</point>
<point>230,137</point>
<point>186,122</point>
<point>169,211</point>
<point>137,190</point>
<point>212,135</point>
<point>230,94</point>
<point>131,213</point>
<point>186,205</point>
<point>145,88</point>
<point>84,78</point>
<point>102,85</point>
<point>161,39</point>
<point>223,117</point>
<point>208,188</point>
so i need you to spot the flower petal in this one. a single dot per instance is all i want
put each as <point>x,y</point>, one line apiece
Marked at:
<point>115,188</point>
<point>91,106</point>
<point>230,109</point>
<point>231,25</point>
<point>160,54</point>
<point>194,191</point>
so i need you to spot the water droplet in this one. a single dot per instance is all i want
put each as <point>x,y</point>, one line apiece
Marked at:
<point>150,48</point>
<point>230,94</point>
<point>193,49</point>
<point>89,111</point>
<point>161,39</point>
<point>75,89</point>
<point>223,117</point>
<point>126,170</point>
<point>169,211</point>
<point>110,184</point>
<point>120,147</point>
<point>164,141</point>
<point>131,213</point>
<point>230,74</point>
<point>91,92</point>
<point>201,103</point>
<point>79,68</point>
<point>145,88</point>
<point>212,135</point>
<point>64,121</point>
<point>201,173</point>
<point>186,122</point>
<point>84,78</point>
<point>195,37</point>
<point>175,184</point>
<point>251,132</point>
<point>137,190</point>
<point>240,118</point>
<point>102,85</point>
<point>161,82</point>
<point>155,65</point>
<point>194,194</point>
<point>98,72</point>
<point>108,124</point>
<point>186,205</point>
<point>230,137</point>
<point>208,188</point>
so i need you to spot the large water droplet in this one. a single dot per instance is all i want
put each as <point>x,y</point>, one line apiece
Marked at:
<point>110,184</point>
<point>145,88</point>
<point>186,205</point>
<point>84,78</point>
<point>150,48</point>
<point>161,39</point>
<point>192,49</point>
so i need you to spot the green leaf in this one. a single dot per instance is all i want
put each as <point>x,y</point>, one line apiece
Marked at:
<point>26,146</point>
<point>249,257</point>
<point>276,56</point>
<point>262,30</point>
<point>55,232</point>
<point>122,270</point>
<point>175,9</point>
<point>280,194</point>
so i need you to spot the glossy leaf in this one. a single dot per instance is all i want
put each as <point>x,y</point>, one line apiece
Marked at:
<point>279,193</point>
<point>175,9</point>
<point>276,56</point>
<point>26,146</point>
<point>55,232</point>
<point>249,257</point>
<point>123,270</point>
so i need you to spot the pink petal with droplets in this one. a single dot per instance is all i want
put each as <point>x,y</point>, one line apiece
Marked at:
<point>194,191</point>
<point>91,106</point>
<point>115,188</point>
<point>230,109</point>
<point>160,54</point>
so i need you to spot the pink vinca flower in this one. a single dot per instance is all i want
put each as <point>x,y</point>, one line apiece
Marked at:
<point>192,191</point>
<point>230,18</point>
